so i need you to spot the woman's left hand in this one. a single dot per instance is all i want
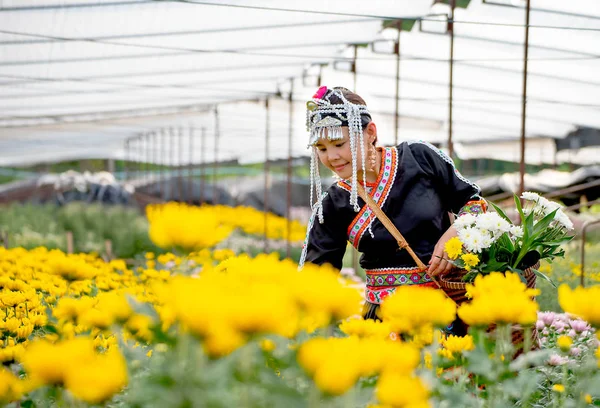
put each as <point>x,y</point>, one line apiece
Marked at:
<point>439,263</point>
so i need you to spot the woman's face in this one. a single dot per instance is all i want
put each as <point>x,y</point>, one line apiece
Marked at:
<point>337,156</point>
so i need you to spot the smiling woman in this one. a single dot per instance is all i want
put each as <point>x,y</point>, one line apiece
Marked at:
<point>414,183</point>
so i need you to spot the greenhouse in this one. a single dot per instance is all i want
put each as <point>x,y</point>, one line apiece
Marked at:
<point>259,203</point>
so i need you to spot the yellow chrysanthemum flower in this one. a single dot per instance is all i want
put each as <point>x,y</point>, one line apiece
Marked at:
<point>99,379</point>
<point>175,225</point>
<point>49,363</point>
<point>337,363</point>
<point>454,345</point>
<point>453,247</point>
<point>582,302</point>
<point>413,390</point>
<point>399,311</point>
<point>499,298</point>
<point>366,328</point>
<point>10,386</point>
<point>470,260</point>
<point>558,388</point>
<point>564,343</point>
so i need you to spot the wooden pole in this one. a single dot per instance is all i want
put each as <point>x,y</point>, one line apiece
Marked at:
<point>69,242</point>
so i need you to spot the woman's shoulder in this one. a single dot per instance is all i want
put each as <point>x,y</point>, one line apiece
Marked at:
<point>422,150</point>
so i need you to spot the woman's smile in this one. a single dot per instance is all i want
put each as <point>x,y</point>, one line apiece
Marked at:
<point>340,167</point>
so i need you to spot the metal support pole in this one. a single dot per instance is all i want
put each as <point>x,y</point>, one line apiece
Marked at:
<point>320,77</point>
<point>397,99</point>
<point>583,240</point>
<point>288,207</point>
<point>148,159</point>
<point>524,101</point>
<point>191,165</point>
<point>182,198</point>
<point>142,158</point>
<point>154,155</point>
<point>451,79</point>
<point>266,169</point>
<point>216,163</point>
<point>126,159</point>
<point>202,164</point>
<point>171,162</point>
<point>161,175</point>
<point>354,66</point>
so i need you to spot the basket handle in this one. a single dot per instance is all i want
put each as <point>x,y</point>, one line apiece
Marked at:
<point>389,225</point>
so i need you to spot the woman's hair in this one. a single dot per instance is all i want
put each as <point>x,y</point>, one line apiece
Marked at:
<point>349,95</point>
<point>354,98</point>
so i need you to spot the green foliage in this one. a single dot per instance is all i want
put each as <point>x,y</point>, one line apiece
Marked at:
<point>568,270</point>
<point>31,226</point>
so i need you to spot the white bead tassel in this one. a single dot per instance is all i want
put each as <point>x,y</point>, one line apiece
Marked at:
<point>354,181</point>
<point>319,203</point>
<point>361,139</point>
<point>312,177</point>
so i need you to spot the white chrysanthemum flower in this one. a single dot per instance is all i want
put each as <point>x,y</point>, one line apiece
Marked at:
<point>563,220</point>
<point>474,240</point>
<point>465,234</point>
<point>487,240</point>
<point>492,223</point>
<point>516,231</point>
<point>485,221</point>
<point>464,221</point>
<point>530,196</point>
<point>543,204</point>
<point>551,206</point>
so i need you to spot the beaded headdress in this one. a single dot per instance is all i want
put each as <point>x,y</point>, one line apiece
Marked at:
<point>324,120</point>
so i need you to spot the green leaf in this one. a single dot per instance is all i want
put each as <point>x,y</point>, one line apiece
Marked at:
<point>519,208</point>
<point>544,276</point>
<point>51,329</point>
<point>544,223</point>
<point>501,212</point>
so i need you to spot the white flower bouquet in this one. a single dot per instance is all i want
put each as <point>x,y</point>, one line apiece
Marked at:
<point>490,242</point>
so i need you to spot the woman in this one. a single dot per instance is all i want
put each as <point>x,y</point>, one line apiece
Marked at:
<point>415,184</point>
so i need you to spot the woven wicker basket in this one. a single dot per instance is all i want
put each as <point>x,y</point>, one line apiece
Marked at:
<point>452,284</point>
<point>455,288</point>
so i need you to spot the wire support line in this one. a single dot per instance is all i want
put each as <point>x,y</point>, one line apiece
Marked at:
<point>184,32</point>
<point>549,11</point>
<point>122,87</point>
<point>247,51</point>
<point>117,114</point>
<point>381,17</point>
<point>330,13</point>
<point>181,51</point>
<point>487,91</point>
<point>121,75</point>
<point>517,44</point>
<point>145,99</point>
<point>75,5</point>
<point>473,104</point>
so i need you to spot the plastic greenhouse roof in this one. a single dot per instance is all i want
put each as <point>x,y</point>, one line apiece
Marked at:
<point>78,78</point>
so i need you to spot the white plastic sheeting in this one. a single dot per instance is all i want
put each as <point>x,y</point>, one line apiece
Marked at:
<point>78,78</point>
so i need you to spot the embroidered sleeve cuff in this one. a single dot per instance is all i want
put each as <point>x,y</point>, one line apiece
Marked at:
<point>474,207</point>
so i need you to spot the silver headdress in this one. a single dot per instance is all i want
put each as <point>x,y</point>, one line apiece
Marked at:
<point>325,119</point>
